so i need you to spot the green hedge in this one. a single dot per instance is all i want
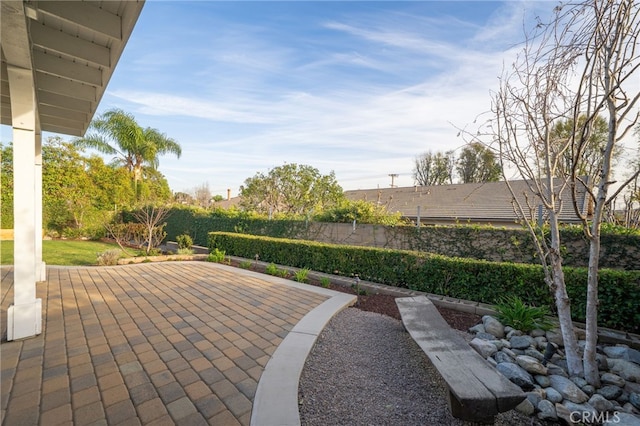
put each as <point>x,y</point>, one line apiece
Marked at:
<point>468,279</point>
<point>197,223</point>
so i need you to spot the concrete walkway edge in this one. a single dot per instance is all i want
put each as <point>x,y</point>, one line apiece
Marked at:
<point>276,398</point>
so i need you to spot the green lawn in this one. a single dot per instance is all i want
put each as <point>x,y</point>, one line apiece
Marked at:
<point>63,252</point>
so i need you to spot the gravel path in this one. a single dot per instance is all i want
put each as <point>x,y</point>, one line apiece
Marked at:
<point>366,370</point>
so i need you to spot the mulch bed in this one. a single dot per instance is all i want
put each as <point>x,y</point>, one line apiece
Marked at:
<point>385,304</point>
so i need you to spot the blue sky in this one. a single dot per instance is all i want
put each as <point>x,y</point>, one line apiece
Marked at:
<point>355,87</point>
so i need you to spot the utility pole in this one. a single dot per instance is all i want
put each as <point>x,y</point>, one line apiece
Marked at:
<point>393,179</point>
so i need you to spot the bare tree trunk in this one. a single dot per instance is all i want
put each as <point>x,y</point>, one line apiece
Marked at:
<point>563,304</point>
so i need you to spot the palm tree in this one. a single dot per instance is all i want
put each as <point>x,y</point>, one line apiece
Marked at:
<point>117,133</point>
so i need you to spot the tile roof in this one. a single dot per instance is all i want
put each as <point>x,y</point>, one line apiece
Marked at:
<point>474,202</point>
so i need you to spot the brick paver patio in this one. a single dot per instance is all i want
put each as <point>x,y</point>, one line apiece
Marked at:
<point>158,343</point>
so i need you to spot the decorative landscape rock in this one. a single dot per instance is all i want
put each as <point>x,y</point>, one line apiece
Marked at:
<point>521,342</point>
<point>502,357</point>
<point>542,380</point>
<point>483,347</point>
<point>531,365</point>
<point>553,369</point>
<point>547,410</point>
<point>551,395</point>
<point>625,369</point>
<point>614,351</point>
<point>493,326</point>
<point>534,353</point>
<point>568,389</point>
<point>570,407</point>
<point>526,407</point>
<point>478,328</point>
<point>612,379</point>
<point>610,391</point>
<point>600,403</point>
<point>634,399</point>
<point>621,419</point>
<point>554,336</point>
<point>517,375</point>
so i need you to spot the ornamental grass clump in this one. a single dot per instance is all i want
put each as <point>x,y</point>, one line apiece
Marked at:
<point>512,311</point>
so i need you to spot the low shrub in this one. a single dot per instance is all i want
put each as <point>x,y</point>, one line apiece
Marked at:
<point>476,280</point>
<point>302,275</point>
<point>185,251</point>
<point>216,256</point>
<point>184,241</point>
<point>109,257</point>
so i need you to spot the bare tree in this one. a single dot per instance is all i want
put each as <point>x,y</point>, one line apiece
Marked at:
<point>152,217</point>
<point>584,63</point>
<point>202,195</point>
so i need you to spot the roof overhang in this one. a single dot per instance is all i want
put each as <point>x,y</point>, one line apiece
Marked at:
<point>70,49</point>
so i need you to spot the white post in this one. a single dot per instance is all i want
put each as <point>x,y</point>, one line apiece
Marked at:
<point>41,267</point>
<point>24,317</point>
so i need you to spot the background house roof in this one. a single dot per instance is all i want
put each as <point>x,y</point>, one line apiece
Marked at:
<point>475,202</point>
<point>72,47</point>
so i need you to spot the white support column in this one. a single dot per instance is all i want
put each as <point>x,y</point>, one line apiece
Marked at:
<point>24,317</point>
<point>41,267</point>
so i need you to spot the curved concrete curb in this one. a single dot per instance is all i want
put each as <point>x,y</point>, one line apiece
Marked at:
<point>276,399</point>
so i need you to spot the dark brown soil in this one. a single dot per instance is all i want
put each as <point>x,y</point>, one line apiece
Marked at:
<point>385,304</point>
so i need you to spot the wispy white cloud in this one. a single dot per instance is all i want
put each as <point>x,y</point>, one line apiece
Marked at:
<point>359,93</point>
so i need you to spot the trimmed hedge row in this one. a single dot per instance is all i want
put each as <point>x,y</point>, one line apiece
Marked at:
<point>477,280</point>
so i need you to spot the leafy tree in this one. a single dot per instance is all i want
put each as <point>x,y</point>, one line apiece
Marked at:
<point>590,156</point>
<point>478,163</point>
<point>117,133</point>
<point>434,168</point>
<point>6,186</point>
<point>362,211</point>
<point>290,189</point>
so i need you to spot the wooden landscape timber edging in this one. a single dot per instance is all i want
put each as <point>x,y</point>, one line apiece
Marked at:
<point>477,391</point>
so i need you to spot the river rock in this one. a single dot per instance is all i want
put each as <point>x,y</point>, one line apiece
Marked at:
<point>537,333</point>
<point>483,347</point>
<point>634,399</point>
<point>502,357</point>
<point>621,419</point>
<point>547,410</point>
<point>534,398</point>
<point>554,336</point>
<point>526,407</point>
<point>478,328</point>
<point>600,403</point>
<point>625,369</point>
<point>542,380</point>
<point>493,326</point>
<point>568,389</point>
<point>624,398</point>
<point>492,362</point>
<point>531,364</point>
<point>601,359</point>
<point>516,374</point>
<point>612,379</point>
<point>588,389</point>
<point>509,352</point>
<point>485,336</point>
<point>614,351</point>
<point>540,343</point>
<point>553,395</point>
<point>610,391</point>
<point>573,413</point>
<point>579,381</point>
<point>633,355</point>
<point>521,342</point>
<point>556,370</point>
<point>512,333</point>
<point>534,353</point>
<point>499,344</point>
